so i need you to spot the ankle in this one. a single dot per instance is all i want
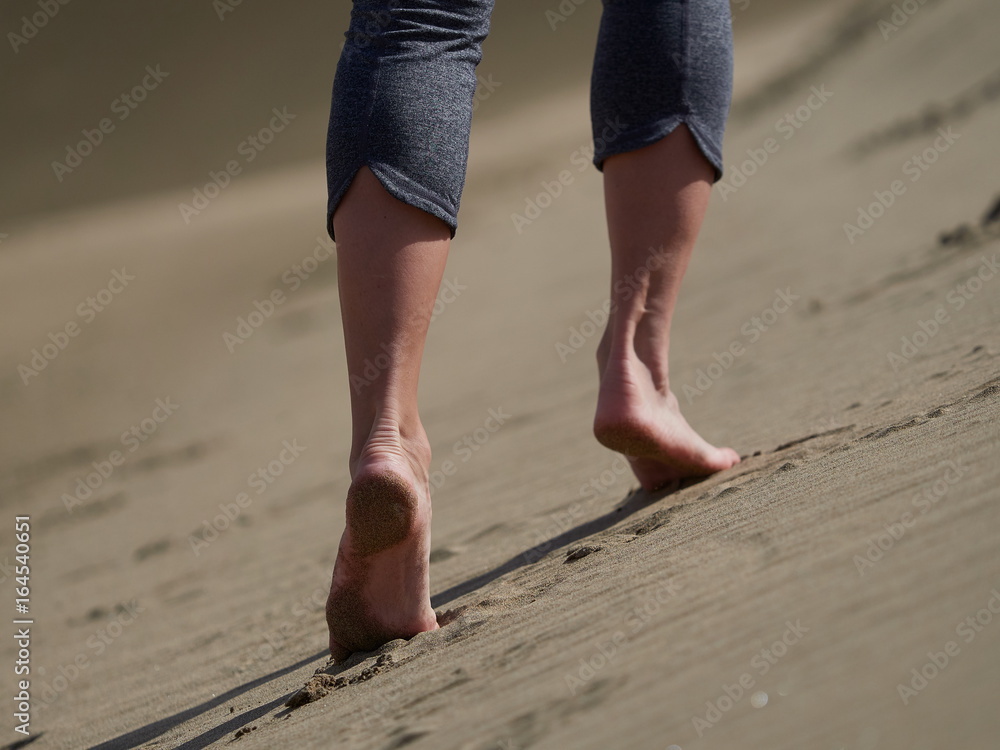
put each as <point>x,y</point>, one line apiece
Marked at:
<point>389,438</point>
<point>636,351</point>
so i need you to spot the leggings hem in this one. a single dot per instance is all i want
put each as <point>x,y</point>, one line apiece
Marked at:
<point>637,138</point>
<point>400,187</point>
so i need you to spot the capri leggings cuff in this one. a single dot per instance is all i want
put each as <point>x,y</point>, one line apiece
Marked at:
<point>400,187</point>
<point>647,135</point>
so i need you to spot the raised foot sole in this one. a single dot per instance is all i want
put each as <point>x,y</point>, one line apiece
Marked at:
<point>632,441</point>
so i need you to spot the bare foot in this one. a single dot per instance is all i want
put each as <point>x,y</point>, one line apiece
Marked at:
<point>381,589</point>
<point>645,423</point>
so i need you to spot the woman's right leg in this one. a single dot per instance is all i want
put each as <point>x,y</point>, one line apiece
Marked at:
<point>396,156</point>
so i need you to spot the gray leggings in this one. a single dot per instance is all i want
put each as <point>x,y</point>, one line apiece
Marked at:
<point>403,93</point>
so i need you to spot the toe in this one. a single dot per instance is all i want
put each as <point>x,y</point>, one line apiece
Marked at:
<point>337,652</point>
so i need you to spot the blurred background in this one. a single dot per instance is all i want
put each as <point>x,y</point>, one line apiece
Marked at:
<point>228,64</point>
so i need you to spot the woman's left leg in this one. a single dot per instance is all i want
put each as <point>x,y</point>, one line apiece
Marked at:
<point>660,97</point>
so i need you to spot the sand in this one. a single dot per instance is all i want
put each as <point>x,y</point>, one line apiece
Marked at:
<point>840,588</point>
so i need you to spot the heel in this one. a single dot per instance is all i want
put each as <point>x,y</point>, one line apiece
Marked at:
<point>380,512</point>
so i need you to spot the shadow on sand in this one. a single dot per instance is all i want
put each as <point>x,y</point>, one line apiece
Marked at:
<point>631,504</point>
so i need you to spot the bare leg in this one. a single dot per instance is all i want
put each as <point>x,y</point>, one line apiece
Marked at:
<point>390,260</point>
<point>655,199</point>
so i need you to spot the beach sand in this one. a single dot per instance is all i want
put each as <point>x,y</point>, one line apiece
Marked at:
<point>838,589</point>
